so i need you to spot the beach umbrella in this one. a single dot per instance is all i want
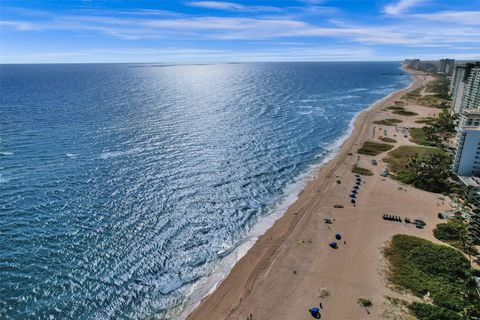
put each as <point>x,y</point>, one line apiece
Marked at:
<point>353,195</point>
<point>315,312</point>
<point>353,201</point>
<point>333,245</point>
<point>338,236</point>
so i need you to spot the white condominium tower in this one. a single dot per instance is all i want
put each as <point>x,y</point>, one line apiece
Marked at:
<point>467,155</point>
<point>465,87</point>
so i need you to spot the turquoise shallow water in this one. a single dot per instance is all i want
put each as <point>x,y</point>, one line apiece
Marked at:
<point>122,186</point>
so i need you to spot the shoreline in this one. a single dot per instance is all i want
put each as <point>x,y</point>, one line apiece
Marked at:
<point>334,155</point>
<point>290,268</point>
<point>226,264</point>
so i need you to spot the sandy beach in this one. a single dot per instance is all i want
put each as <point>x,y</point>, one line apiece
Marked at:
<point>291,268</point>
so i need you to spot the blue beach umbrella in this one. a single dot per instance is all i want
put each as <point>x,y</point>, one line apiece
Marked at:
<point>333,245</point>
<point>315,312</point>
<point>338,236</point>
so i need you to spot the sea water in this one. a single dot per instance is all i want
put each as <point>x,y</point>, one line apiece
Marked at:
<point>123,187</point>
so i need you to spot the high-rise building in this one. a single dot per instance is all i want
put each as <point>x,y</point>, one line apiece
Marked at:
<point>465,87</point>
<point>467,155</point>
<point>472,89</point>
<point>446,66</point>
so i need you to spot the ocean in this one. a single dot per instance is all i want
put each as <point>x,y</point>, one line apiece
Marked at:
<point>128,190</point>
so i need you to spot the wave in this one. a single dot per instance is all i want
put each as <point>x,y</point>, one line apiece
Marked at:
<point>115,154</point>
<point>357,90</point>
<point>208,285</point>
<point>5,153</point>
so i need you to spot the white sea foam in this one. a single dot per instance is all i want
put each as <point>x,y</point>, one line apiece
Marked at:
<point>5,153</point>
<point>71,155</point>
<point>358,90</point>
<point>208,285</point>
<point>114,154</point>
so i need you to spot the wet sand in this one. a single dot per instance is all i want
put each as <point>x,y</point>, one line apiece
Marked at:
<point>291,268</point>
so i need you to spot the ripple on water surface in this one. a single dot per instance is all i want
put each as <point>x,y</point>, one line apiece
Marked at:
<point>121,187</point>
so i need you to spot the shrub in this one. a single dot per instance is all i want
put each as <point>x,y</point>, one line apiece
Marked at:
<point>424,168</point>
<point>431,312</point>
<point>421,266</point>
<point>389,140</point>
<point>388,122</point>
<point>422,137</point>
<point>362,171</point>
<point>455,232</point>
<point>405,113</point>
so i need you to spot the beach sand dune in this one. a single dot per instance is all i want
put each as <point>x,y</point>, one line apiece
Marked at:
<point>291,268</point>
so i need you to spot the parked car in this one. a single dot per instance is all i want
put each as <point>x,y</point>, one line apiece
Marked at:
<point>374,162</point>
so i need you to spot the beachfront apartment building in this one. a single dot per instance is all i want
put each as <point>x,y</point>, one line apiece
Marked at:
<point>467,155</point>
<point>465,87</point>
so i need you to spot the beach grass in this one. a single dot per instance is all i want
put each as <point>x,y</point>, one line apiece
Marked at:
<point>388,122</point>
<point>431,101</point>
<point>362,171</point>
<point>398,159</point>
<point>426,120</point>
<point>389,140</point>
<point>422,267</point>
<point>405,113</point>
<point>396,108</point>
<point>413,94</point>
<point>455,232</point>
<point>419,136</point>
<point>372,148</point>
<point>425,168</point>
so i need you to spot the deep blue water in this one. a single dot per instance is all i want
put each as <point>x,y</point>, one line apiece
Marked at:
<point>122,185</point>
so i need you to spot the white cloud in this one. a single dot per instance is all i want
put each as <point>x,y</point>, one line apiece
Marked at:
<point>457,17</point>
<point>231,6</point>
<point>401,6</point>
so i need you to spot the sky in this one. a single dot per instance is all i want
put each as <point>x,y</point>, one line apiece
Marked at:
<point>165,31</point>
